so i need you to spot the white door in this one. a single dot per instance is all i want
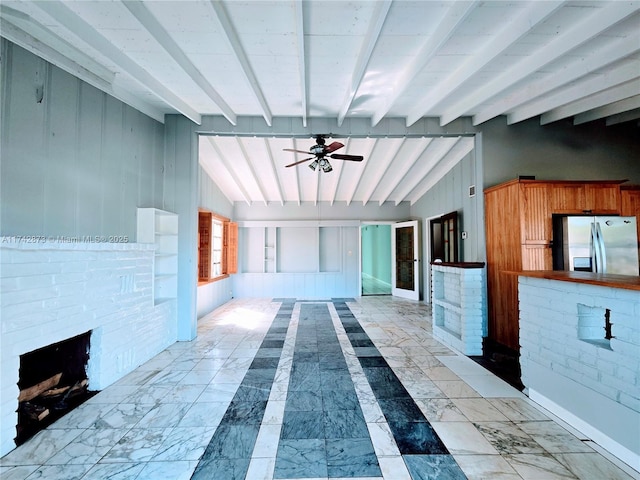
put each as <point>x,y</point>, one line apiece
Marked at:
<point>405,248</point>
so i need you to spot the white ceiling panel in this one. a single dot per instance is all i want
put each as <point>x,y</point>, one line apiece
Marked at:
<point>336,61</point>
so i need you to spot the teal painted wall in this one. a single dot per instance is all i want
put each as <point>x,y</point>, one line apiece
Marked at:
<point>376,252</point>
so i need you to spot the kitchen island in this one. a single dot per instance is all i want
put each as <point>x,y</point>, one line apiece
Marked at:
<point>580,353</point>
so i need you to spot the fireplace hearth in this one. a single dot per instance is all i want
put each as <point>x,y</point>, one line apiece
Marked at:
<point>52,381</point>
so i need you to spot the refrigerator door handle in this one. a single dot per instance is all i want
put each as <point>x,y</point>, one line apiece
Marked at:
<point>593,249</point>
<point>603,253</point>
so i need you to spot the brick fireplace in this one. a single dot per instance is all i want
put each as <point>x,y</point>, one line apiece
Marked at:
<point>55,290</point>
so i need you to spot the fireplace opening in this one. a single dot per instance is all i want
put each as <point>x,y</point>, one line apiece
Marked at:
<point>52,381</point>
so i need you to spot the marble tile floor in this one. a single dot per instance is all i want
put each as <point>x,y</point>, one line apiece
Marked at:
<point>286,389</point>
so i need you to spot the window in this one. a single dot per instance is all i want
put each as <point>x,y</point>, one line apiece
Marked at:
<point>217,247</point>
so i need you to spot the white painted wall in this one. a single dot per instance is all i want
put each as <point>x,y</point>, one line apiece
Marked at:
<point>213,294</point>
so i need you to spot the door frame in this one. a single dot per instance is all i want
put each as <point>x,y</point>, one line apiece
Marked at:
<point>417,236</point>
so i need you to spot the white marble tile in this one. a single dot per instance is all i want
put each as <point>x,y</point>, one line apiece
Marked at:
<point>138,445</point>
<point>41,447</point>
<point>20,472</point>
<point>593,465</point>
<point>261,469</point>
<point>84,416</point>
<point>184,443</point>
<point>382,439</point>
<point>478,410</point>
<point>60,472</point>
<point>456,389</point>
<point>164,415</point>
<point>123,415</point>
<point>218,392</point>
<point>274,413</point>
<point>394,468</point>
<point>114,471</point>
<point>440,410</point>
<point>507,438</point>
<point>88,448</point>
<point>518,409</point>
<point>440,373</point>
<point>486,467</point>
<point>491,386</point>
<point>554,438</point>
<point>539,467</point>
<point>173,470</point>
<point>463,438</point>
<point>267,442</point>
<point>198,377</point>
<point>204,414</point>
<point>168,376</point>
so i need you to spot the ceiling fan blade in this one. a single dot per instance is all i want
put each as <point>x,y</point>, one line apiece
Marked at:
<point>294,150</point>
<point>299,162</point>
<point>353,158</point>
<point>333,147</point>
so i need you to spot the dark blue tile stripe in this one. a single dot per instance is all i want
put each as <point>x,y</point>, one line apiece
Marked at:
<point>229,452</point>
<point>424,453</point>
<point>324,433</point>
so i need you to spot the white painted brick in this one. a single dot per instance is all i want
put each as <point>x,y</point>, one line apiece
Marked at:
<point>51,293</point>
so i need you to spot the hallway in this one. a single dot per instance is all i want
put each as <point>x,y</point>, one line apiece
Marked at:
<point>287,389</point>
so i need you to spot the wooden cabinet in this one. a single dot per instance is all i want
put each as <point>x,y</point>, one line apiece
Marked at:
<point>519,235</point>
<point>630,200</point>
<point>602,198</point>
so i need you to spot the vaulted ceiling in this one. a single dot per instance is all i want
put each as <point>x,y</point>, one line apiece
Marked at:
<point>341,61</point>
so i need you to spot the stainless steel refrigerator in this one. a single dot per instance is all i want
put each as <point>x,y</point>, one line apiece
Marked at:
<point>596,244</point>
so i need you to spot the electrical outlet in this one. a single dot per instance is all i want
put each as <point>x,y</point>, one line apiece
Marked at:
<point>464,235</point>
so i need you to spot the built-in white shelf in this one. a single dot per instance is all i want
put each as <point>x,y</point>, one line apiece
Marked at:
<point>160,227</point>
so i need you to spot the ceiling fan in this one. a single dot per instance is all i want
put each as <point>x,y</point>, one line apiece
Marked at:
<point>321,152</point>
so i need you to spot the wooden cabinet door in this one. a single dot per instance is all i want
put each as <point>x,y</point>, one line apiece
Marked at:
<point>567,198</point>
<point>630,205</point>
<point>602,199</point>
<point>536,257</point>
<point>535,219</point>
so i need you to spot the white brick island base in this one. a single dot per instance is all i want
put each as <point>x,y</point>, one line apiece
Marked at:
<point>53,291</point>
<point>580,358</point>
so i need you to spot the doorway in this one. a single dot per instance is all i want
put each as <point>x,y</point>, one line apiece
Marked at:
<point>376,259</point>
<point>405,250</point>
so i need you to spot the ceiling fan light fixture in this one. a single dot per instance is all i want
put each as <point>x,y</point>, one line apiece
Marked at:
<point>314,165</point>
<point>326,168</point>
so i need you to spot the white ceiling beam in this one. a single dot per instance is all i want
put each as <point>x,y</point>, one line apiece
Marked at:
<point>236,45</point>
<point>597,100</point>
<point>578,91</point>
<point>33,37</point>
<point>158,32</point>
<point>455,15</point>
<point>254,175</point>
<point>442,168</point>
<point>66,17</point>
<point>297,184</point>
<point>504,39</point>
<point>429,159</point>
<point>372,146</point>
<point>274,172</point>
<point>379,175</point>
<point>613,52</point>
<point>302,66</point>
<point>573,37</point>
<point>623,116</point>
<point>371,39</point>
<point>232,173</point>
<point>400,172</point>
<point>338,170</point>
<point>620,107</point>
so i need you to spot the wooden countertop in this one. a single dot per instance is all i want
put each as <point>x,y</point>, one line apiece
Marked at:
<point>626,282</point>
